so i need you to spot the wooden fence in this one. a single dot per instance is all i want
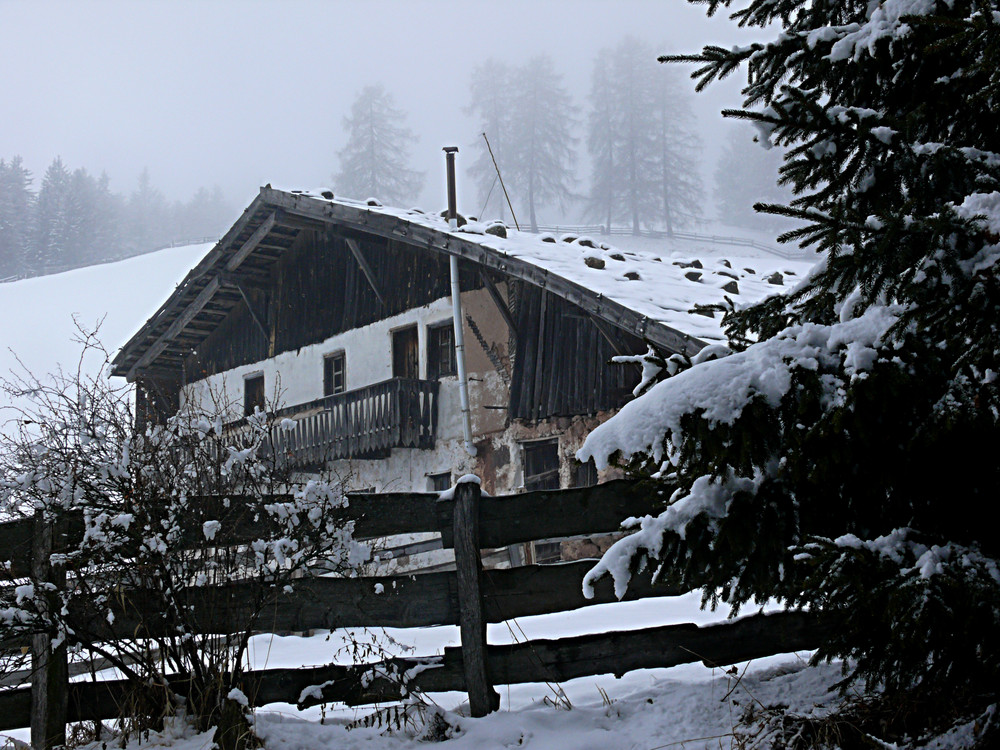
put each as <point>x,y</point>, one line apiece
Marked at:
<point>469,597</point>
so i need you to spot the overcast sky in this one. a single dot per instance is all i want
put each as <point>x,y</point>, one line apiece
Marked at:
<point>241,94</point>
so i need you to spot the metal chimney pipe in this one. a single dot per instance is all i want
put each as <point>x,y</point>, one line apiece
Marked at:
<point>456,306</point>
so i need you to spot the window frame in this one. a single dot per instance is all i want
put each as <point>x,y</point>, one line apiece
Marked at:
<point>435,348</point>
<point>255,397</point>
<point>399,332</point>
<point>434,479</point>
<point>329,373</point>
<point>548,479</point>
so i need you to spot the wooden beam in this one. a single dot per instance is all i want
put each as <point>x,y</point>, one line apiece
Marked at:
<point>176,327</point>
<point>49,675</point>
<point>365,268</point>
<point>498,300</point>
<point>251,244</point>
<point>606,333</point>
<point>472,615</point>
<point>253,312</point>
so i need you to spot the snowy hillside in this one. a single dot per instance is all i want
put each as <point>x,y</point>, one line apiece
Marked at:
<point>38,314</point>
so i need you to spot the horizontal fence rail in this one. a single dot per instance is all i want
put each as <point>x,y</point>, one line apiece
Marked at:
<point>533,661</point>
<point>503,520</point>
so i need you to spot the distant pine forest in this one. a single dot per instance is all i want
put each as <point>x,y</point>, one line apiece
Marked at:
<point>73,219</point>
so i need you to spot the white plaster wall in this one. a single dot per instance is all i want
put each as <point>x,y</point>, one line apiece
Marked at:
<point>296,377</point>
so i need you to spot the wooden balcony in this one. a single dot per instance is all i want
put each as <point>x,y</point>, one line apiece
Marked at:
<point>364,423</point>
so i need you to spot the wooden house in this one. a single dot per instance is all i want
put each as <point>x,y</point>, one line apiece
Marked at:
<point>338,315</point>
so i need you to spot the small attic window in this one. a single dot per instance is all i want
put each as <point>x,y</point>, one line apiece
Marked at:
<point>253,393</point>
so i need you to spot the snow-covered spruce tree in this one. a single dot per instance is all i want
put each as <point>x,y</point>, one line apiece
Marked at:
<point>841,459</point>
<point>375,161</point>
<point>191,536</point>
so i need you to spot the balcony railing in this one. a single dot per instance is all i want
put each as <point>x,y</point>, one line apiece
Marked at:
<point>364,423</point>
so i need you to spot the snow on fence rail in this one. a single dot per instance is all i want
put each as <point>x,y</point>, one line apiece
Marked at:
<point>468,596</point>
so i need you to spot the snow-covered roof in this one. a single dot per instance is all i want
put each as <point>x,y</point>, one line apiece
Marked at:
<point>651,295</point>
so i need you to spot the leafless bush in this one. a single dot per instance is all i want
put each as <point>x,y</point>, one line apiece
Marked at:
<point>190,532</point>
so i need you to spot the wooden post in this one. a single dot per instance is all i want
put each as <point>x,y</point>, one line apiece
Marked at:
<point>49,671</point>
<point>472,618</point>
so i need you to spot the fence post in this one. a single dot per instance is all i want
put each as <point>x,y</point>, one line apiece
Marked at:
<point>49,671</point>
<point>472,618</point>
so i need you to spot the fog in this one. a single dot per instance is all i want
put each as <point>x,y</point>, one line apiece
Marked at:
<point>240,94</point>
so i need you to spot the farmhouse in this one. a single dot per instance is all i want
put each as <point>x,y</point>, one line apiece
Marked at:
<point>337,316</point>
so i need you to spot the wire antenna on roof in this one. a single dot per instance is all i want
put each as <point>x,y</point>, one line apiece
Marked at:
<point>512,215</point>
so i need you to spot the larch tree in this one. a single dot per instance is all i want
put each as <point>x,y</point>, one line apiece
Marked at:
<point>747,173</point>
<point>492,92</point>
<point>602,144</point>
<point>542,138</point>
<point>642,141</point>
<point>375,160</point>
<point>832,458</point>
<point>528,116</point>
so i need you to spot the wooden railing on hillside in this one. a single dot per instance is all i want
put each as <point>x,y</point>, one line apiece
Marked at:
<point>791,253</point>
<point>362,423</point>
<point>468,596</point>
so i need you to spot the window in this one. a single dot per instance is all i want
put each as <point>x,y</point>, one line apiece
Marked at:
<point>334,374</point>
<point>546,552</point>
<point>541,465</point>
<point>439,482</point>
<point>583,474</point>
<point>253,394</point>
<point>440,351</point>
<point>405,353</point>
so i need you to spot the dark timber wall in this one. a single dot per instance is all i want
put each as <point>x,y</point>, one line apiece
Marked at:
<point>317,290</point>
<point>562,365</point>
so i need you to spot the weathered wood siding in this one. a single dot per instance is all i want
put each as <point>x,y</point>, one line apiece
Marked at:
<point>562,363</point>
<point>316,290</point>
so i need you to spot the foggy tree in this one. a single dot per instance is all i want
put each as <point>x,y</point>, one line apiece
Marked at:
<point>642,140</point>
<point>491,90</point>
<point>542,139</point>
<point>54,219</point>
<point>16,201</point>
<point>747,173</point>
<point>76,220</point>
<point>529,117</point>
<point>207,214</point>
<point>147,216</point>
<point>109,214</point>
<point>605,182</point>
<point>374,163</point>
